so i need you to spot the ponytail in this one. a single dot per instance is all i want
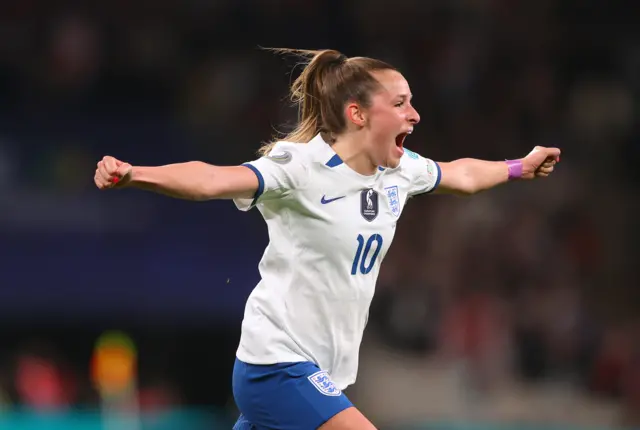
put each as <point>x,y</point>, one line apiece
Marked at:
<point>306,92</point>
<point>328,80</point>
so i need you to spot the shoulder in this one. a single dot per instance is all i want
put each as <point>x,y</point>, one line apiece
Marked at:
<point>420,173</point>
<point>286,157</point>
<point>409,162</point>
<point>287,162</point>
<point>423,173</point>
<point>410,157</point>
<point>412,160</point>
<point>284,151</point>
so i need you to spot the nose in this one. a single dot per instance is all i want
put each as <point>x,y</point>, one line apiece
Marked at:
<point>414,116</point>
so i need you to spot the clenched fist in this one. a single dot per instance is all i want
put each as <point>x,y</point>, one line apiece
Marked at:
<point>112,173</point>
<point>540,162</point>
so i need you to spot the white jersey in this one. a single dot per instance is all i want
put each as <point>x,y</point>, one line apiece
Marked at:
<point>329,230</point>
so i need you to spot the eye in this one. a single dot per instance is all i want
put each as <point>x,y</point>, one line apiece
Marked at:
<point>400,104</point>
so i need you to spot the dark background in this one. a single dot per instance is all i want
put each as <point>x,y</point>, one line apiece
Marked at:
<point>536,282</point>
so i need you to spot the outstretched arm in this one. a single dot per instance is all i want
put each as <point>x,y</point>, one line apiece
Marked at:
<point>468,176</point>
<point>193,180</point>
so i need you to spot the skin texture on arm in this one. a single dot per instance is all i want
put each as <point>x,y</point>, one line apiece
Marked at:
<point>468,176</point>
<point>192,180</point>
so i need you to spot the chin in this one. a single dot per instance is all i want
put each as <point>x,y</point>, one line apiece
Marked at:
<point>392,158</point>
<point>392,162</point>
<point>396,153</point>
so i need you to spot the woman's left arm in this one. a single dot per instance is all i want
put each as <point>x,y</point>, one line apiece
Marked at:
<point>468,176</point>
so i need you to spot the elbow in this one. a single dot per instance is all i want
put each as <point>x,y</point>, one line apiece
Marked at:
<point>464,192</point>
<point>471,188</point>
<point>467,186</point>
<point>201,194</point>
<point>224,182</point>
<point>457,190</point>
<point>208,185</point>
<point>202,197</point>
<point>471,180</point>
<point>460,179</point>
<point>216,183</point>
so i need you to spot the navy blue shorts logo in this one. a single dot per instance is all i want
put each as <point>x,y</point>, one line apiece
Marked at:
<point>369,204</point>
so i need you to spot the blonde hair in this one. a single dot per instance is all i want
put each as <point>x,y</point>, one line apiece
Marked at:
<point>328,81</point>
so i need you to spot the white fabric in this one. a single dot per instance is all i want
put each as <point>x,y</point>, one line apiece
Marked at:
<point>312,303</point>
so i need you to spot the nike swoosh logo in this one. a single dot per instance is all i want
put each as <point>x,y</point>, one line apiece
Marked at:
<point>324,201</point>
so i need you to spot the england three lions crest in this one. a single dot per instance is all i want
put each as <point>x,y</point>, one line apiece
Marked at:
<point>394,199</point>
<point>324,384</point>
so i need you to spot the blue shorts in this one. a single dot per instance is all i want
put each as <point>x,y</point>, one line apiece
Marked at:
<point>284,396</point>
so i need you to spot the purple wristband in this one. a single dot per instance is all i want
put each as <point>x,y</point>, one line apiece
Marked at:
<point>515,169</point>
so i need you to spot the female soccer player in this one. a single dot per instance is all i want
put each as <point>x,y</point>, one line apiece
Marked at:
<point>331,194</point>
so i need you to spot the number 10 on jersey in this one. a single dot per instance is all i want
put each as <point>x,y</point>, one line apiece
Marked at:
<point>362,262</point>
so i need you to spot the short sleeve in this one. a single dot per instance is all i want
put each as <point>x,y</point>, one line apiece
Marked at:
<point>278,173</point>
<point>425,174</point>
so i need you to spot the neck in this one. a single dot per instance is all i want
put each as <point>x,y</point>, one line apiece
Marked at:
<point>351,150</point>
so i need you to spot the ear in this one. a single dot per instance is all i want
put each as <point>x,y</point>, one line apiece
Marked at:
<point>355,114</point>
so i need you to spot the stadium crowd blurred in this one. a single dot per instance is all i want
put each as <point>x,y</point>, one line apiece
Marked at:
<point>534,282</point>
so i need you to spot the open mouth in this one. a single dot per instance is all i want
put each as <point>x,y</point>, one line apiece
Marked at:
<point>400,139</point>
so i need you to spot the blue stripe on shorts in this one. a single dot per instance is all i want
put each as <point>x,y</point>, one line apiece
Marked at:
<point>284,396</point>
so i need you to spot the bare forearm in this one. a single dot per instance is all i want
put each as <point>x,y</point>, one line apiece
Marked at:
<point>468,176</point>
<point>191,180</point>
<point>196,180</point>
<point>484,175</point>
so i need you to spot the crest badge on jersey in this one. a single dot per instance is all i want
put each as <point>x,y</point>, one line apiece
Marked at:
<point>394,199</point>
<point>324,384</point>
<point>369,204</point>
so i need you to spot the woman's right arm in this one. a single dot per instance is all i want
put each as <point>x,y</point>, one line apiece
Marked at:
<point>192,180</point>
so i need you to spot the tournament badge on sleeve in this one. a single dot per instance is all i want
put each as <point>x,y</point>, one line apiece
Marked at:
<point>369,204</point>
<point>394,199</point>
<point>280,157</point>
<point>324,384</point>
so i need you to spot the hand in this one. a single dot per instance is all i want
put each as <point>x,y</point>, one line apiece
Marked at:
<point>540,162</point>
<point>112,173</point>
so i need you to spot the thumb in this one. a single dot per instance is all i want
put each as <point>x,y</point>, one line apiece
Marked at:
<point>123,170</point>
<point>553,153</point>
<point>545,153</point>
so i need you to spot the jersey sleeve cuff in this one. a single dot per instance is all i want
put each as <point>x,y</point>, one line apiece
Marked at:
<point>438,177</point>
<point>246,204</point>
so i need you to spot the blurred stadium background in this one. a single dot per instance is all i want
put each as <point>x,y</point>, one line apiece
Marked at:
<point>516,309</point>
